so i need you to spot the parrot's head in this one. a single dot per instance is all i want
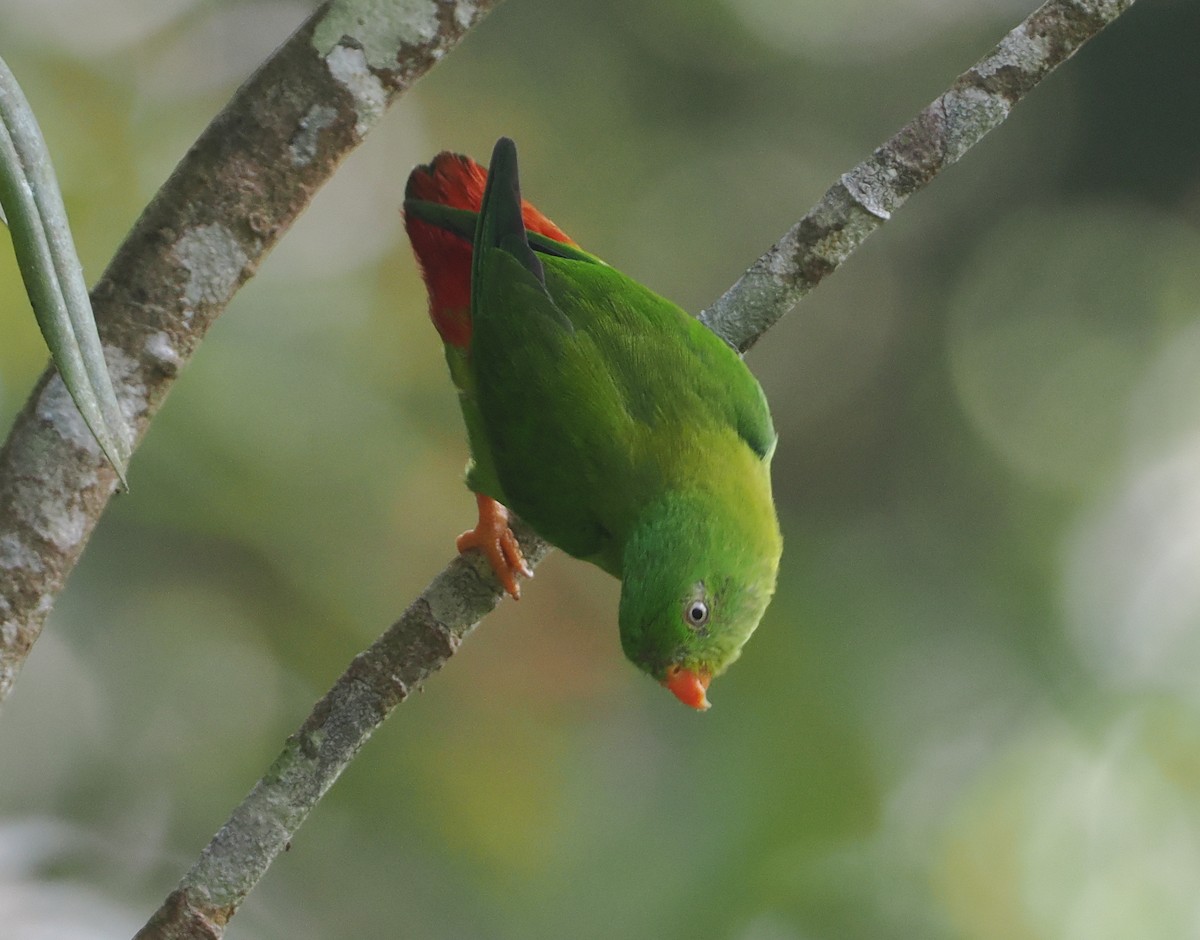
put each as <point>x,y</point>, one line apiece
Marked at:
<point>698,573</point>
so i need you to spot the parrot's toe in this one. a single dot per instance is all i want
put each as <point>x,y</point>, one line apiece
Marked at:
<point>495,539</point>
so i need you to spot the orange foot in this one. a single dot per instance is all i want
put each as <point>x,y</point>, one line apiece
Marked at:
<point>495,539</point>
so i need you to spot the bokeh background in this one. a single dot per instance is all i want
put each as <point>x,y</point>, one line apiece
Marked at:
<point>973,710</point>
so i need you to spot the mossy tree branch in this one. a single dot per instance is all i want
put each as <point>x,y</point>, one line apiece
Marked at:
<point>239,188</point>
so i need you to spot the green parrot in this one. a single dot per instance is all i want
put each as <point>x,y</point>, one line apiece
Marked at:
<point>620,428</point>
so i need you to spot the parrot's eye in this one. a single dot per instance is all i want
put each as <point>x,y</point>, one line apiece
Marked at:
<point>695,614</point>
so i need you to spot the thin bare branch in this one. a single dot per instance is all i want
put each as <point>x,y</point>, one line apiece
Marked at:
<point>231,198</point>
<point>864,198</point>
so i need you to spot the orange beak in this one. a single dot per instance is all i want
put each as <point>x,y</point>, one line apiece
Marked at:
<point>689,687</point>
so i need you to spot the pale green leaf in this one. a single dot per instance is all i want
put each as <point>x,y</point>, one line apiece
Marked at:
<point>52,272</point>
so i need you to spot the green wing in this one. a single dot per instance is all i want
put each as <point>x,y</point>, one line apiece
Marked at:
<point>595,393</point>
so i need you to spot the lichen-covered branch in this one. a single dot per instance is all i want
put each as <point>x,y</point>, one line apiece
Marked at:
<point>431,629</point>
<point>231,198</point>
<point>864,198</point>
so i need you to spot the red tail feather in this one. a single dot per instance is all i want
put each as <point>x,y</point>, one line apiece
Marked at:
<point>445,258</point>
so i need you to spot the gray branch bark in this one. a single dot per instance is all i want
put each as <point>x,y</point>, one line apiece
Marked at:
<point>239,188</point>
<point>247,177</point>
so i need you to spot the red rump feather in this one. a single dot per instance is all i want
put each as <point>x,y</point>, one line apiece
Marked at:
<point>445,258</point>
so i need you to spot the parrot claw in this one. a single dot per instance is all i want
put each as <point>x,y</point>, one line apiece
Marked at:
<point>495,539</point>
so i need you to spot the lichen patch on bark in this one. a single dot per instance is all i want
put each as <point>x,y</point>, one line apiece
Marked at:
<point>381,27</point>
<point>214,260</point>
<point>349,68</point>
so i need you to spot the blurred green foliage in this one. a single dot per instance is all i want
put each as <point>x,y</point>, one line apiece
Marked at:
<point>972,710</point>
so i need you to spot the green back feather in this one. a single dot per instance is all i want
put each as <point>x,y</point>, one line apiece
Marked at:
<point>501,224</point>
<point>462,222</point>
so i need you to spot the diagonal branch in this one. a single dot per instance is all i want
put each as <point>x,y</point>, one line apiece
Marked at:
<point>432,628</point>
<point>239,188</point>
